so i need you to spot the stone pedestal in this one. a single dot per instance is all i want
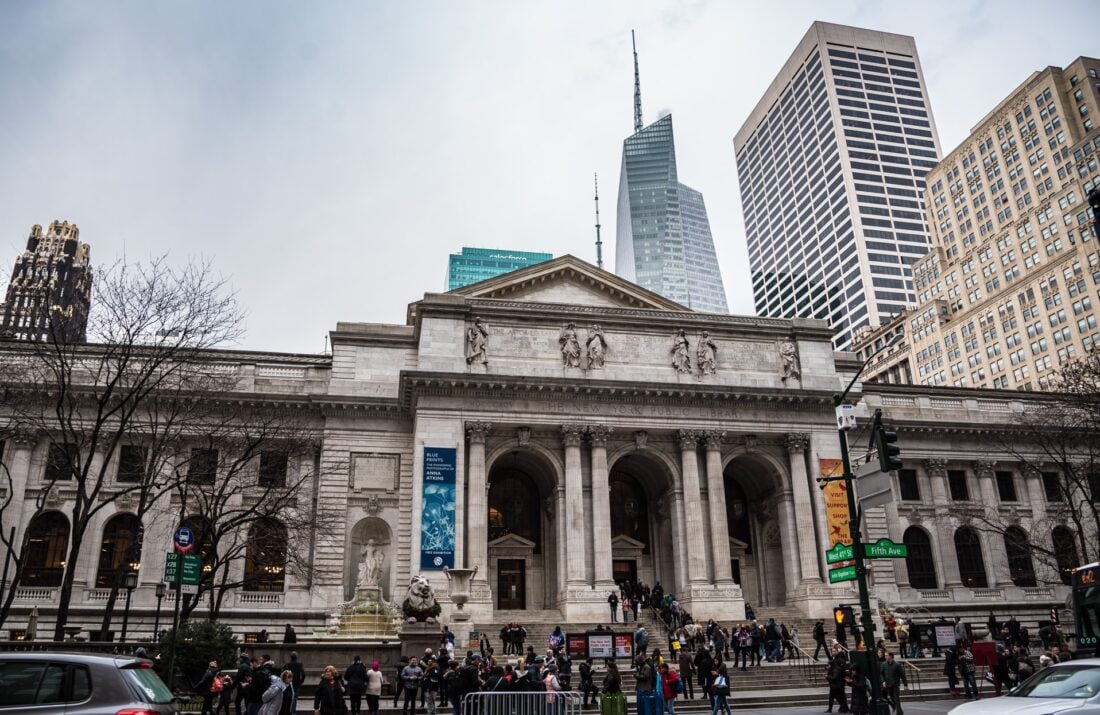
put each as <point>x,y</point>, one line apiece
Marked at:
<point>417,637</point>
<point>707,601</point>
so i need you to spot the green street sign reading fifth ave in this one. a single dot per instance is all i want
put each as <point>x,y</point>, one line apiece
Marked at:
<point>885,549</point>
<point>839,552</point>
<point>192,569</point>
<point>844,573</point>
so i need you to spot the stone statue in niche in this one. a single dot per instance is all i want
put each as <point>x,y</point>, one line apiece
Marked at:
<point>372,558</point>
<point>477,343</point>
<point>788,353</point>
<point>570,346</point>
<point>681,358</point>
<point>706,357</point>
<point>597,347</point>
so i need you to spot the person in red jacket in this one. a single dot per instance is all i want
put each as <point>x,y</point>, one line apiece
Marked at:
<point>670,688</point>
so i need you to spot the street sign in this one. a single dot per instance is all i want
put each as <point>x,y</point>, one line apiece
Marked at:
<point>885,549</point>
<point>844,573</point>
<point>840,552</point>
<point>184,539</point>
<point>192,571</point>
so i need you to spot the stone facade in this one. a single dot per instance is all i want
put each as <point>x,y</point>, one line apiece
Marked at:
<point>571,477</point>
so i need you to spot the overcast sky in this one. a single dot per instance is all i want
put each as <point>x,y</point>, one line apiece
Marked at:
<point>328,156</point>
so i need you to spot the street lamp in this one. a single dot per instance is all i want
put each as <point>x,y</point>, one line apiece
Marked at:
<point>130,581</point>
<point>161,590</point>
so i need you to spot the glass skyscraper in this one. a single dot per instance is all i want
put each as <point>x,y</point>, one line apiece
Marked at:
<point>662,239</point>
<point>477,264</point>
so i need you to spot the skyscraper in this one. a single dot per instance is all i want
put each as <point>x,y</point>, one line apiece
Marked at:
<point>50,288</point>
<point>662,239</point>
<point>831,166</point>
<point>477,264</point>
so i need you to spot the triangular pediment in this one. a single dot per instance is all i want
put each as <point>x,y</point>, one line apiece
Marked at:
<point>571,281</point>
<point>512,541</point>
<point>625,543</point>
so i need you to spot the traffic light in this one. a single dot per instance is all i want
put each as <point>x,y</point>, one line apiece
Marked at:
<point>888,459</point>
<point>844,616</point>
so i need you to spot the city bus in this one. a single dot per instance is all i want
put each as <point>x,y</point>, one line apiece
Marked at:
<point>1086,607</point>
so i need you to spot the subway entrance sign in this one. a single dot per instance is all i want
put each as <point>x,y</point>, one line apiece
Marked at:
<point>192,571</point>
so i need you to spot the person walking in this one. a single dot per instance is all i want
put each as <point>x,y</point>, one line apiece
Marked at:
<point>861,689</point>
<point>397,688</point>
<point>893,680</point>
<point>626,607</point>
<point>687,671</point>
<point>966,670</point>
<point>373,688</point>
<point>355,680</point>
<point>588,687</point>
<point>720,690</point>
<point>612,700</point>
<point>279,690</point>
<point>328,698</point>
<point>410,683</point>
<point>703,663</point>
<point>671,686</point>
<point>950,671</point>
<point>205,688</point>
<point>261,681</point>
<point>240,681</point>
<point>641,640</point>
<point>299,676</point>
<point>613,602</point>
<point>834,676</point>
<point>645,686</point>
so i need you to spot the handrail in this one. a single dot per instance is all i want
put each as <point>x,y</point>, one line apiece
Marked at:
<point>917,675</point>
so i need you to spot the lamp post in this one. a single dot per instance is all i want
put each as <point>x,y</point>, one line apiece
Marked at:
<point>879,705</point>
<point>161,589</point>
<point>130,581</point>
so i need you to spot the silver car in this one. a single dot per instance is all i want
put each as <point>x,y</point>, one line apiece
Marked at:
<point>1072,688</point>
<point>81,684</point>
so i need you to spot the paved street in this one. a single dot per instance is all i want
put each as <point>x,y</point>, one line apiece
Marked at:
<point>930,707</point>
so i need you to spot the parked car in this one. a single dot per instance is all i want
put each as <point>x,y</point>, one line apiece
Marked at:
<point>1069,688</point>
<point>36,683</point>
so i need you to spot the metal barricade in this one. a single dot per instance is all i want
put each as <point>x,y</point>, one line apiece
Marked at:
<point>519,703</point>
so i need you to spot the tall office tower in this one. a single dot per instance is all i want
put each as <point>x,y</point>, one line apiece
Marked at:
<point>831,166</point>
<point>50,289</point>
<point>477,264</point>
<point>1008,293</point>
<point>662,237</point>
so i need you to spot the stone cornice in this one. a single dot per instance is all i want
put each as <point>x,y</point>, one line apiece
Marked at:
<point>413,384</point>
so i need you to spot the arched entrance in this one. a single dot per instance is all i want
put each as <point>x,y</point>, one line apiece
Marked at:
<point>523,539</point>
<point>641,530</point>
<point>753,517</point>
<point>365,530</point>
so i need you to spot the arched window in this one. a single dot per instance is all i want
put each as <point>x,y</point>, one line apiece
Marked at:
<point>118,546</point>
<point>737,512</point>
<point>47,540</point>
<point>1020,567</point>
<point>919,562</point>
<point>968,548</point>
<point>629,508</point>
<point>265,557</point>
<point>1065,553</point>
<point>514,507</point>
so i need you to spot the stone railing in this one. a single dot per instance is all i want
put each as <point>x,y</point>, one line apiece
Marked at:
<point>1038,592</point>
<point>259,598</point>
<point>994,405</point>
<point>950,402</point>
<point>939,594</point>
<point>97,594</point>
<point>34,594</point>
<point>897,401</point>
<point>280,372</point>
<point>988,594</point>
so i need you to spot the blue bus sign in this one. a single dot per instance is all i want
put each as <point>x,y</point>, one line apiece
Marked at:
<point>184,539</point>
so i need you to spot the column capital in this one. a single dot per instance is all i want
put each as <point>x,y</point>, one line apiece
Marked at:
<point>689,439</point>
<point>936,467</point>
<point>571,435</point>
<point>713,440</point>
<point>477,431</point>
<point>984,468</point>
<point>598,434</point>
<point>23,438</point>
<point>797,442</point>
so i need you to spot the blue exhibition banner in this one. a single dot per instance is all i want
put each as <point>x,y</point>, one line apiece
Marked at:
<point>437,515</point>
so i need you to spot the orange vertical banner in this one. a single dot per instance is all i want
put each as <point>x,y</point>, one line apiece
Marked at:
<point>836,503</point>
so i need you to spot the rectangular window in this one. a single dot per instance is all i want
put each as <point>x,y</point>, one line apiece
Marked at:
<point>1052,486</point>
<point>61,462</point>
<point>907,485</point>
<point>1006,486</point>
<point>273,469</point>
<point>131,464</point>
<point>203,467</point>
<point>956,482</point>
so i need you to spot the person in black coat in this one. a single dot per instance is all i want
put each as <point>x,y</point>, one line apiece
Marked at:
<point>328,699</point>
<point>204,688</point>
<point>299,672</point>
<point>244,674</point>
<point>703,663</point>
<point>356,679</point>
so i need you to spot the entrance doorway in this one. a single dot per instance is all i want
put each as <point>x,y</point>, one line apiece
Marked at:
<point>511,584</point>
<point>624,570</point>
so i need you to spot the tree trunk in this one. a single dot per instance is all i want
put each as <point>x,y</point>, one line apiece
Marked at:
<point>65,596</point>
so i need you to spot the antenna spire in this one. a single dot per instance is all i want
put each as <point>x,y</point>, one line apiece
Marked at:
<point>599,243</point>
<point>637,88</point>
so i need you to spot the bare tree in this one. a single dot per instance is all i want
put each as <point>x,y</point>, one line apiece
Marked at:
<point>137,381</point>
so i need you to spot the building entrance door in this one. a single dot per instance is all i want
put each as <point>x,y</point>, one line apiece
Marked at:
<point>624,570</point>
<point>511,584</point>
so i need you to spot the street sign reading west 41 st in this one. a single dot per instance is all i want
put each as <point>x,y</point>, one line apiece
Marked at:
<point>839,552</point>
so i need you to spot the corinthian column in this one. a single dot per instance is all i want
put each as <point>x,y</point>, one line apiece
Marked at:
<point>477,508</point>
<point>716,495</point>
<point>996,556</point>
<point>693,509</point>
<point>574,566</point>
<point>808,556</point>
<point>943,537</point>
<point>19,468</point>
<point>601,508</point>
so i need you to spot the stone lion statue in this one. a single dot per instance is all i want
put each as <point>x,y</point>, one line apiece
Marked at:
<point>420,603</point>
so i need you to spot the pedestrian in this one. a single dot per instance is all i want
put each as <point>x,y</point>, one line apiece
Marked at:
<point>720,690</point>
<point>750,615</point>
<point>645,687</point>
<point>1000,669</point>
<point>373,689</point>
<point>410,683</point>
<point>834,676</point>
<point>966,670</point>
<point>397,689</point>
<point>893,681</point>
<point>328,698</point>
<point>431,684</point>
<point>355,680</point>
<point>289,636</point>
<point>225,697</point>
<point>903,640</point>
<point>613,602</point>
<point>641,639</point>
<point>261,681</point>
<point>557,640</point>
<point>703,663</point>
<point>273,697</point>
<point>588,687</point>
<point>299,672</point>
<point>960,633</point>
<point>626,607</point>
<point>950,671</point>
<point>687,671</point>
<point>670,688</point>
<point>205,688</point>
<point>612,700</point>
<point>244,674</point>
<point>861,689</point>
